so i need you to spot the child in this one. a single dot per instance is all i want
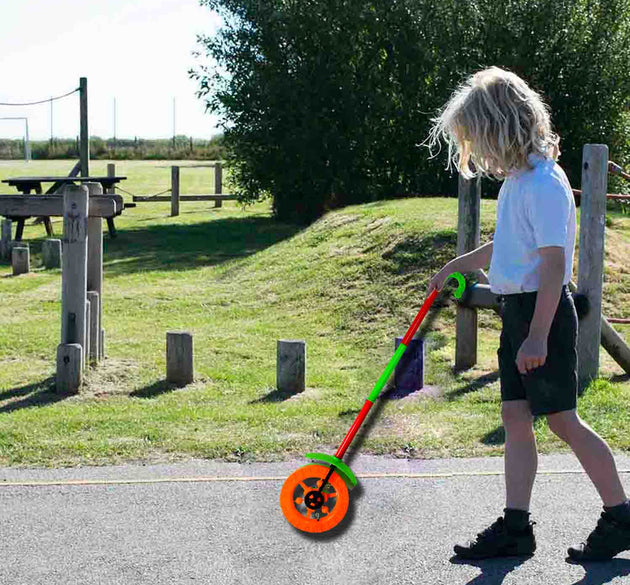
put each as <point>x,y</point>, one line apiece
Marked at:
<point>496,120</point>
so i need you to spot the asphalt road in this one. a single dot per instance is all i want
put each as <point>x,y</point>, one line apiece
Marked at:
<point>220,523</point>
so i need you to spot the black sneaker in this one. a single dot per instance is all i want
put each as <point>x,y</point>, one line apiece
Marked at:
<point>496,541</point>
<point>607,540</point>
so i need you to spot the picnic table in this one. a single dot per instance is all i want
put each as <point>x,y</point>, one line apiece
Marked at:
<point>27,184</point>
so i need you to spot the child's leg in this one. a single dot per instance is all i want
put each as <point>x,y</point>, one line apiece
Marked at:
<point>592,452</point>
<point>521,457</point>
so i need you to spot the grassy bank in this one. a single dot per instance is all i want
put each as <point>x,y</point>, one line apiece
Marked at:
<point>239,282</point>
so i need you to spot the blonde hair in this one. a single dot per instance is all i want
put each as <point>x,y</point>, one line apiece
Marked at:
<point>495,120</point>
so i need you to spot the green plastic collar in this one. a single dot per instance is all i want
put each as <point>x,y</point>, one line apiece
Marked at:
<point>461,286</point>
<point>340,467</point>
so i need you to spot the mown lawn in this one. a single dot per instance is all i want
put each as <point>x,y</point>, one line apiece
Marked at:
<point>239,281</point>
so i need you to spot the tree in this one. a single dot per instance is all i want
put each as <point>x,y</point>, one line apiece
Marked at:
<point>324,103</point>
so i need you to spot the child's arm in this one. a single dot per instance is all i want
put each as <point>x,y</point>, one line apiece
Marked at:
<point>478,258</point>
<point>551,275</point>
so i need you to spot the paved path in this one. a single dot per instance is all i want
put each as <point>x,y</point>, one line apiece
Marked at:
<point>179,524</point>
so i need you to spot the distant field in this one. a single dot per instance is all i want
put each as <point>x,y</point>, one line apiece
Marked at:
<point>239,281</point>
<point>143,177</point>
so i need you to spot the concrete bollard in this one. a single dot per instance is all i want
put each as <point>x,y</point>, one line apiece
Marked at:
<point>69,367</point>
<point>179,357</point>
<point>5,239</point>
<point>291,366</point>
<point>409,373</point>
<point>20,260</point>
<point>51,251</point>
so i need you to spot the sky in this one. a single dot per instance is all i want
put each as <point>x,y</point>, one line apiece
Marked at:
<point>137,52</point>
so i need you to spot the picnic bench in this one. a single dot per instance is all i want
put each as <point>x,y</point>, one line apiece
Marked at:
<point>27,184</point>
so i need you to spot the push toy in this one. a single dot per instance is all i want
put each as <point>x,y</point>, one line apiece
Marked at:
<point>315,498</point>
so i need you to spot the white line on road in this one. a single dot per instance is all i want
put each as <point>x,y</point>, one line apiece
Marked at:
<point>70,482</point>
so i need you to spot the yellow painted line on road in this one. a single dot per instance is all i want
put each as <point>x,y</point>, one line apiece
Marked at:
<point>70,482</point>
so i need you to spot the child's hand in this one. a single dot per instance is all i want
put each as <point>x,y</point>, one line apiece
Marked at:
<point>531,354</point>
<point>437,282</point>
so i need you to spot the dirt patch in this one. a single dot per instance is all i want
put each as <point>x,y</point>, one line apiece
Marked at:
<point>112,376</point>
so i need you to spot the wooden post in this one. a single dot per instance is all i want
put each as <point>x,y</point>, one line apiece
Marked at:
<point>95,263</point>
<point>51,251</point>
<point>468,236</point>
<point>179,357</point>
<point>20,260</point>
<point>74,273</point>
<point>291,366</point>
<point>86,344</point>
<point>591,261</point>
<point>111,172</point>
<point>218,183</point>
<point>5,239</point>
<point>612,342</point>
<point>94,328</point>
<point>84,145</point>
<point>174,191</point>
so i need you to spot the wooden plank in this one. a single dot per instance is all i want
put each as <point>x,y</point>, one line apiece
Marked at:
<point>479,296</point>
<point>52,205</point>
<point>591,261</point>
<point>468,237</point>
<point>162,198</point>
<point>62,179</point>
<point>578,193</point>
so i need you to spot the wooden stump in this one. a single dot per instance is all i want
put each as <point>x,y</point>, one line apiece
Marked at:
<point>51,250</point>
<point>291,366</point>
<point>179,357</point>
<point>20,260</point>
<point>69,367</point>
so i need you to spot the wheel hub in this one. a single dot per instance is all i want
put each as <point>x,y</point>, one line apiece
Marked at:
<point>314,500</point>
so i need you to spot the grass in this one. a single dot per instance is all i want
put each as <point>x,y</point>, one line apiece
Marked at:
<point>240,281</point>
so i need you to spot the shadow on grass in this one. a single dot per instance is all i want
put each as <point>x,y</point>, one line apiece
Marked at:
<point>274,396</point>
<point>472,385</point>
<point>619,378</point>
<point>181,247</point>
<point>153,390</point>
<point>36,394</point>
<point>495,437</point>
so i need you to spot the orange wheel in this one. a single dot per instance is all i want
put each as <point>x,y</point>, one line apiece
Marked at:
<point>312,513</point>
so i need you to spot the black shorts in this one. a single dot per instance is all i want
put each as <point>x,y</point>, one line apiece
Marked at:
<point>551,387</point>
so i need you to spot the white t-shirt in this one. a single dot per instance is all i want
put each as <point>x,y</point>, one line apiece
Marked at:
<point>535,209</point>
